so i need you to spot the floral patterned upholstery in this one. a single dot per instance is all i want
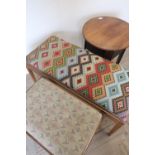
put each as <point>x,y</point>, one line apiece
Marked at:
<point>59,121</point>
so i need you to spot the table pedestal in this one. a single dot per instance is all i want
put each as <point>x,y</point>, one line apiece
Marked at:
<point>105,53</point>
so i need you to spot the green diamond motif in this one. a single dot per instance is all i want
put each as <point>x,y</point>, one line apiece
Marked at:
<point>107,78</point>
<point>98,91</point>
<point>93,79</point>
<point>101,67</point>
<point>84,92</point>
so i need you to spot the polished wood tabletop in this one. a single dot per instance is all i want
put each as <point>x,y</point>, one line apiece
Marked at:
<point>107,33</point>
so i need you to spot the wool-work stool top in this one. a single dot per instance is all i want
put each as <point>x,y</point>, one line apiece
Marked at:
<point>104,82</point>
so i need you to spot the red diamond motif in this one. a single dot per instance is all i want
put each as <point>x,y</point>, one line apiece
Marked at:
<point>120,104</point>
<point>88,68</point>
<point>46,63</point>
<point>45,54</point>
<point>66,44</point>
<point>79,81</point>
<point>35,65</point>
<point>56,53</point>
<point>54,45</point>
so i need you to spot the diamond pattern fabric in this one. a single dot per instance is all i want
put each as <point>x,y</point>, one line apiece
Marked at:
<point>104,82</point>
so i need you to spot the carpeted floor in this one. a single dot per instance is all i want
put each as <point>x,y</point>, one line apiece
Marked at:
<point>116,144</point>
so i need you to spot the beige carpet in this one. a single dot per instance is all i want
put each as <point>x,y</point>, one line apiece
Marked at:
<point>116,144</point>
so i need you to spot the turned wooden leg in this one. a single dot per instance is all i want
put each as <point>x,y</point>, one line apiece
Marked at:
<point>116,127</point>
<point>32,74</point>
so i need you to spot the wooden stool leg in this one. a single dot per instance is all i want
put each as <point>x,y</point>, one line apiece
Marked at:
<point>116,127</point>
<point>32,74</point>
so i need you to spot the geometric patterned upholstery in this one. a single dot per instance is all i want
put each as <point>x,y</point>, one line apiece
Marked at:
<point>104,82</point>
<point>63,127</point>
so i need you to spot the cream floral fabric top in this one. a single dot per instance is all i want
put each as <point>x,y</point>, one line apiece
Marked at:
<point>59,121</point>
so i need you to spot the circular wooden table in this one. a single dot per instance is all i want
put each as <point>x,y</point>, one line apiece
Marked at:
<point>106,36</point>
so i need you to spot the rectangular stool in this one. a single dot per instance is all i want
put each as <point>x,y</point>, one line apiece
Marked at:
<point>60,122</point>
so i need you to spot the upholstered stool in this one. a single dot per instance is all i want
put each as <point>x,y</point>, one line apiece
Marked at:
<point>60,122</point>
<point>105,83</point>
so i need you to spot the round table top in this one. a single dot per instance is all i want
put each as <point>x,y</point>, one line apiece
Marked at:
<point>107,33</point>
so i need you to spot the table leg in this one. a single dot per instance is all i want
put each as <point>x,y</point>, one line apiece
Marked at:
<point>86,45</point>
<point>109,55</point>
<point>104,53</point>
<point>120,56</point>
